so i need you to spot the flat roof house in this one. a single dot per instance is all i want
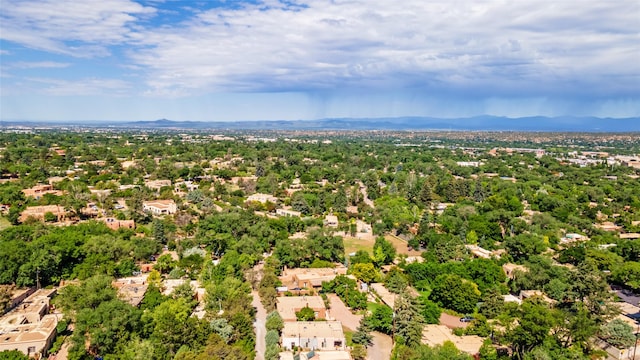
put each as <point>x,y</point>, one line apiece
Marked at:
<point>115,224</point>
<point>309,278</point>
<point>157,184</point>
<point>29,328</point>
<point>262,198</point>
<point>38,191</point>
<point>287,212</point>
<point>160,207</point>
<point>287,306</point>
<point>510,268</point>
<point>132,289</point>
<point>38,212</point>
<point>313,335</point>
<point>331,221</point>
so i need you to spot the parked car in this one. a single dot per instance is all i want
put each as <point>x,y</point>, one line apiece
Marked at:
<point>467,319</point>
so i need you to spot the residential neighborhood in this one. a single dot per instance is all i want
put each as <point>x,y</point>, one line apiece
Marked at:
<point>242,248</point>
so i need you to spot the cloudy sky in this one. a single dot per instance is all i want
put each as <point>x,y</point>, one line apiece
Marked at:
<point>309,59</point>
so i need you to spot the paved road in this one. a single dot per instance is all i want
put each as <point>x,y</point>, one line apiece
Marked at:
<point>365,195</point>
<point>627,296</point>
<point>381,347</point>
<point>259,324</point>
<point>341,313</point>
<point>63,353</point>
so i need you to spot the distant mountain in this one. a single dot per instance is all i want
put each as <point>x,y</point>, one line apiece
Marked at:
<point>478,123</point>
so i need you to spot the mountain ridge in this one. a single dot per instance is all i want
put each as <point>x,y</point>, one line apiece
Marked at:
<point>406,123</point>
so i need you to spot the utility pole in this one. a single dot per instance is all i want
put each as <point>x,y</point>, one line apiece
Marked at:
<point>393,321</point>
<point>635,346</point>
<point>37,278</point>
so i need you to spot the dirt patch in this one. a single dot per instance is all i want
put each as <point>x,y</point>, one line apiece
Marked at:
<point>402,247</point>
<point>452,322</point>
<point>353,244</point>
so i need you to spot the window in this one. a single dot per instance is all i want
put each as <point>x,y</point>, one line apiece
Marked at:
<point>31,349</point>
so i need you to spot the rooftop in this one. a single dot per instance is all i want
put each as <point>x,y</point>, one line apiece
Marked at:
<point>318,355</point>
<point>29,321</point>
<point>433,335</point>
<point>132,289</point>
<point>288,305</point>
<point>309,329</point>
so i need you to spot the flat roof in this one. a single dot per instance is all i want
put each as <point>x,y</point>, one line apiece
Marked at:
<point>288,305</point>
<point>387,297</point>
<point>27,322</point>
<point>309,329</point>
<point>433,335</point>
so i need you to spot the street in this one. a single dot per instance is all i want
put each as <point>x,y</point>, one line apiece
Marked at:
<point>259,324</point>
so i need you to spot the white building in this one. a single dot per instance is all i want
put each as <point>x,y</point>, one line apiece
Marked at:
<point>286,212</point>
<point>29,328</point>
<point>331,221</point>
<point>160,207</point>
<point>314,335</point>
<point>157,184</point>
<point>262,198</point>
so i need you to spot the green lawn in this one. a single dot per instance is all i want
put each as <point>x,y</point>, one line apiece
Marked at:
<point>352,245</point>
<point>4,223</point>
<point>348,335</point>
<point>371,306</point>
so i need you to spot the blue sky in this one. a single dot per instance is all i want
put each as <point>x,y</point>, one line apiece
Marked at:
<point>309,59</point>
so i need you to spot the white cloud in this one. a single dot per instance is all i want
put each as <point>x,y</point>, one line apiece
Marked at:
<point>76,28</point>
<point>477,47</point>
<point>36,65</point>
<point>349,57</point>
<point>81,87</point>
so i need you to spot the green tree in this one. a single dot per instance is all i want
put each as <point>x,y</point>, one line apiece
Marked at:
<point>362,335</point>
<point>365,272</point>
<point>488,351</point>
<point>535,322</point>
<point>627,274</point>
<point>396,281</point>
<point>381,319</point>
<point>274,322</point>
<point>361,257</point>
<point>221,327</point>
<point>492,304</point>
<point>383,251</point>
<point>522,246</point>
<point>359,352</point>
<point>408,321</point>
<point>6,292</point>
<point>165,264</point>
<point>305,314</point>
<point>217,349</point>
<point>107,327</point>
<point>272,352</point>
<point>272,338</point>
<point>13,355</point>
<point>159,232</point>
<point>618,333</point>
<point>50,217</point>
<point>453,292</point>
<point>430,311</point>
<point>88,295</point>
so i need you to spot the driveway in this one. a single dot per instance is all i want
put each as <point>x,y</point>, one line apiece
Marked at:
<point>452,322</point>
<point>341,313</point>
<point>381,347</point>
<point>259,324</point>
